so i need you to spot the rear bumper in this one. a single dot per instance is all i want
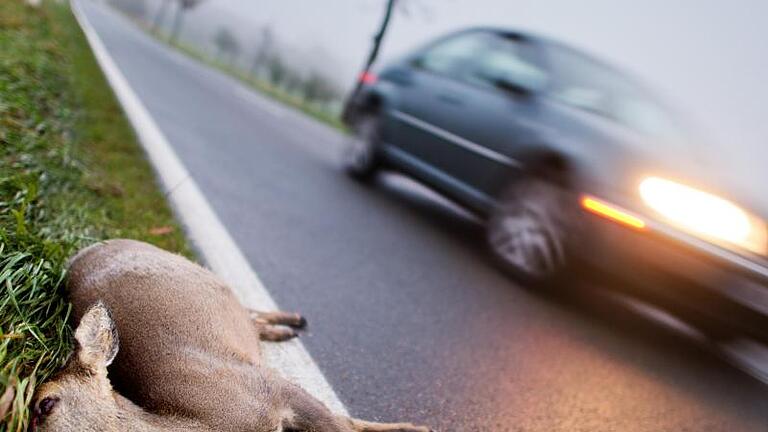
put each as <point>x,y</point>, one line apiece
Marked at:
<point>684,274</point>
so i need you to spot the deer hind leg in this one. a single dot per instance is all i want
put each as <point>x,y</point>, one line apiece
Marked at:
<point>273,333</point>
<point>289,319</point>
<point>277,326</point>
<point>364,426</point>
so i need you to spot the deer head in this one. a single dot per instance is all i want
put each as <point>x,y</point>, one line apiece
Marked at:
<point>80,397</point>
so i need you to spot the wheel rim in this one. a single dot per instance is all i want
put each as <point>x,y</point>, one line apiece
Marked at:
<point>525,236</point>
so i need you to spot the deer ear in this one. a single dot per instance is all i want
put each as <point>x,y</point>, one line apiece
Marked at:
<point>96,337</point>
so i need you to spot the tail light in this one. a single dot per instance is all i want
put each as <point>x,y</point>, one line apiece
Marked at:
<point>368,77</point>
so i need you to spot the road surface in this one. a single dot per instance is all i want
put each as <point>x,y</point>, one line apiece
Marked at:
<point>408,318</point>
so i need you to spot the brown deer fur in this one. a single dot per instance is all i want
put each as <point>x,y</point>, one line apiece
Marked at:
<point>188,357</point>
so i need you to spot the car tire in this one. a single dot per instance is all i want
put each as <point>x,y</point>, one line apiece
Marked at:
<point>532,229</point>
<point>361,158</point>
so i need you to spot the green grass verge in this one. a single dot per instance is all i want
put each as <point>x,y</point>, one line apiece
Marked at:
<point>71,173</point>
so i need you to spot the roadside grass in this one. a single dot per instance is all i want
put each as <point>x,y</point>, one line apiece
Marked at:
<point>71,173</point>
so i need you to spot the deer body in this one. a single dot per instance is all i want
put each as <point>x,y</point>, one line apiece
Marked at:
<point>188,352</point>
<point>186,345</point>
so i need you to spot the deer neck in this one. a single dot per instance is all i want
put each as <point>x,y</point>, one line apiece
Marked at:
<point>133,418</point>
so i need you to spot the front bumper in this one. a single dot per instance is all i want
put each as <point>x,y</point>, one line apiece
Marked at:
<point>684,274</point>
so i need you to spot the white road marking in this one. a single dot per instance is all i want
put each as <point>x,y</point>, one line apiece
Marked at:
<point>203,227</point>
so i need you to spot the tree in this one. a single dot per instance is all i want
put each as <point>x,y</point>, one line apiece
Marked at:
<point>160,15</point>
<point>262,52</point>
<point>276,69</point>
<point>379,37</point>
<point>406,7</point>
<point>373,54</point>
<point>292,81</point>
<point>184,5</point>
<point>318,88</point>
<point>226,44</point>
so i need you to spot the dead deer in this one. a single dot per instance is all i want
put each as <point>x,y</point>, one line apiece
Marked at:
<point>188,357</point>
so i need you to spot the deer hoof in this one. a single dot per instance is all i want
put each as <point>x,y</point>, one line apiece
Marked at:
<point>302,324</point>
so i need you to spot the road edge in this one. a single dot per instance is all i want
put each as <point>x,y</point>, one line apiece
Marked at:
<point>203,227</point>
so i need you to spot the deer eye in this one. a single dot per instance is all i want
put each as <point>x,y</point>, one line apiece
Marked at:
<point>46,405</point>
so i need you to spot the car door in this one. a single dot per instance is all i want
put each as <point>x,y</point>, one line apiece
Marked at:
<point>499,115</point>
<point>430,94</point>
<point>473,105</point>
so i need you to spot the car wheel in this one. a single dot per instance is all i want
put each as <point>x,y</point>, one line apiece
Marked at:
<point>531,231</point>
<point>361,150</point>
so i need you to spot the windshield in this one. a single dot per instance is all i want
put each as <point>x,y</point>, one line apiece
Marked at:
<point>586,84</point>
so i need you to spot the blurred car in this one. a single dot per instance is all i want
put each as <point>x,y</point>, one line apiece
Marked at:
<point>570,162</point>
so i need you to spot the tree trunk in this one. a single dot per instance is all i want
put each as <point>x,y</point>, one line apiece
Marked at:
<point>257,62</point>
<point>377,40</point>
<point>177,24</point>
<point>374,54</point>
<point>160,15</point>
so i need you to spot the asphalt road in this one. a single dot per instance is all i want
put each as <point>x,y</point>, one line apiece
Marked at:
<point>408,319</point>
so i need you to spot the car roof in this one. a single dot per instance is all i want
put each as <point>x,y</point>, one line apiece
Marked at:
<point>536,39</point>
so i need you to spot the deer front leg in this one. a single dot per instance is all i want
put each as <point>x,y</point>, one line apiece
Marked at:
<point>289,319</point>
<point>364,426</point>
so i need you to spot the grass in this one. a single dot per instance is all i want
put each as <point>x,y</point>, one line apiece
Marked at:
<point>71,174</point>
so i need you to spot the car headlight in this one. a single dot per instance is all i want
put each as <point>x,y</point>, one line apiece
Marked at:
<point>704,215</point>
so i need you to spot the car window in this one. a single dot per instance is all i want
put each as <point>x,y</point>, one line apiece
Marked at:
<point>586,84</point>
<point>505,59</point>
<point>451,56</point>
<point>485,59</point>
